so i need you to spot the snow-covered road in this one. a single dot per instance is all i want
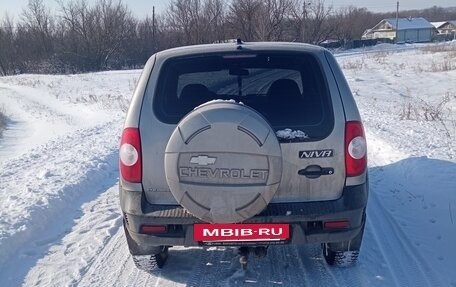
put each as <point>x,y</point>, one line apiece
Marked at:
<point>60,224</point>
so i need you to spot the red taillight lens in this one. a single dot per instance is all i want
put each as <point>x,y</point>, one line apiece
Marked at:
<point>130,155</point>
<point>151,229</point>
<point>355,149</point>
<point>336,224</point>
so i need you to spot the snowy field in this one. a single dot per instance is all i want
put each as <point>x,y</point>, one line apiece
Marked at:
<point>60,223</point>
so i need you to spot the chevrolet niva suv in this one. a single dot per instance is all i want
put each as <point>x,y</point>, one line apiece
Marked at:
<point>243,144</point>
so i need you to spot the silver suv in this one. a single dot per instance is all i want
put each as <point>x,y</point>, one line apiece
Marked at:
<point>243,144</point>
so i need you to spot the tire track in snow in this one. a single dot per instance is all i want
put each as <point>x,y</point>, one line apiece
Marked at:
<point>372,228</point>
<point>320,274</point>
<point>312,262</point>
<point>37,103</point>
<point>29,124</point>
<point>119,270</point>
<point>283,266</point>
<point>113,266</point>
<point>35,108</point>
<point>408,267</point>
<point>403,261</point>
<point>198,271</point>
<point>94,253</point>
<point>113,258</point>
<point>37,117</point>
<point>204,271</point>
<point>56,184</point>
<point>67,259</point>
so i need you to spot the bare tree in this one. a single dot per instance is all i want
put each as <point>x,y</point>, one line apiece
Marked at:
<point>147,38</point>
<point>271,21</point>
<point>35,37</point>
<point>243,19</point>
<point>214,13</point>
<point>351,22</point>
<point>185,20</point>
<point>310,21</point>
<point>6,47</point>
<point>115,27</point>
<point>98,37</point>
<point>37,17</point>
<point>8,56</point>
<point>298,20</point>
<point>76,39</point>
<point>104,35</point>
<point>319,28</point>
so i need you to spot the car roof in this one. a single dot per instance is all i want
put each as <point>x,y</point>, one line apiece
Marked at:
<point>244,47</point>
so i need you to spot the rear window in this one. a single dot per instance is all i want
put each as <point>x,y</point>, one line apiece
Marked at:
<point>289,90</point>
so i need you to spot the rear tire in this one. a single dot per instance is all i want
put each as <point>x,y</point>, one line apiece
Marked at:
<point>339,258</point>
<point>343,254</point>
<point>149,263</point>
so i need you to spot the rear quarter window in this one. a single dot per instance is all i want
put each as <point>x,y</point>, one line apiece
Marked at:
<point>289,90</point>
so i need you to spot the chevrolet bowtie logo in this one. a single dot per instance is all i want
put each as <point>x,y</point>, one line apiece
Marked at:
<point>203,160</point>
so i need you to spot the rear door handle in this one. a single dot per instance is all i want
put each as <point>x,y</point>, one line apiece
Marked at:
<point>315,171</point>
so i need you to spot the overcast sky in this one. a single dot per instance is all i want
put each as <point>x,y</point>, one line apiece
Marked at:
<point>141,8</point>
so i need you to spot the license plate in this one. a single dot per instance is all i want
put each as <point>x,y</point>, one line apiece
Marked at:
<point>224,233</point>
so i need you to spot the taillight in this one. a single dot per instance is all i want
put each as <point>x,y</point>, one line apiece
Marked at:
<point>152,229</point>
<point>355,149</point>
<point>130,155</point>
<point>336,224</point>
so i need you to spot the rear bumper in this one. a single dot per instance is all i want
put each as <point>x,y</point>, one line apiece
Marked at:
<point>305,218</point>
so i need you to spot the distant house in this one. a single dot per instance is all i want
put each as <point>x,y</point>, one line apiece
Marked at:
<point>447,27</point>
<point>437,24</point>
<point>409,30</point>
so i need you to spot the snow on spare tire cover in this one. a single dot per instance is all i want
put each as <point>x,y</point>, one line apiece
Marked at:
<point>223,162</point>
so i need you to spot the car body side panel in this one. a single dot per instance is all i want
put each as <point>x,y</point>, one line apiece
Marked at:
<point>134,112</point>
<point>154,138</point>
<point>349,106</point>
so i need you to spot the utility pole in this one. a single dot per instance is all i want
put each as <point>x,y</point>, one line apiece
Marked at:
<point>304,16</point>
<point>397,19</point>
<point>153,28</point>
<point>304,19</point>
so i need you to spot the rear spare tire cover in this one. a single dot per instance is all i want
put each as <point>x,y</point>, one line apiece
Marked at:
<point>223,162</point>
